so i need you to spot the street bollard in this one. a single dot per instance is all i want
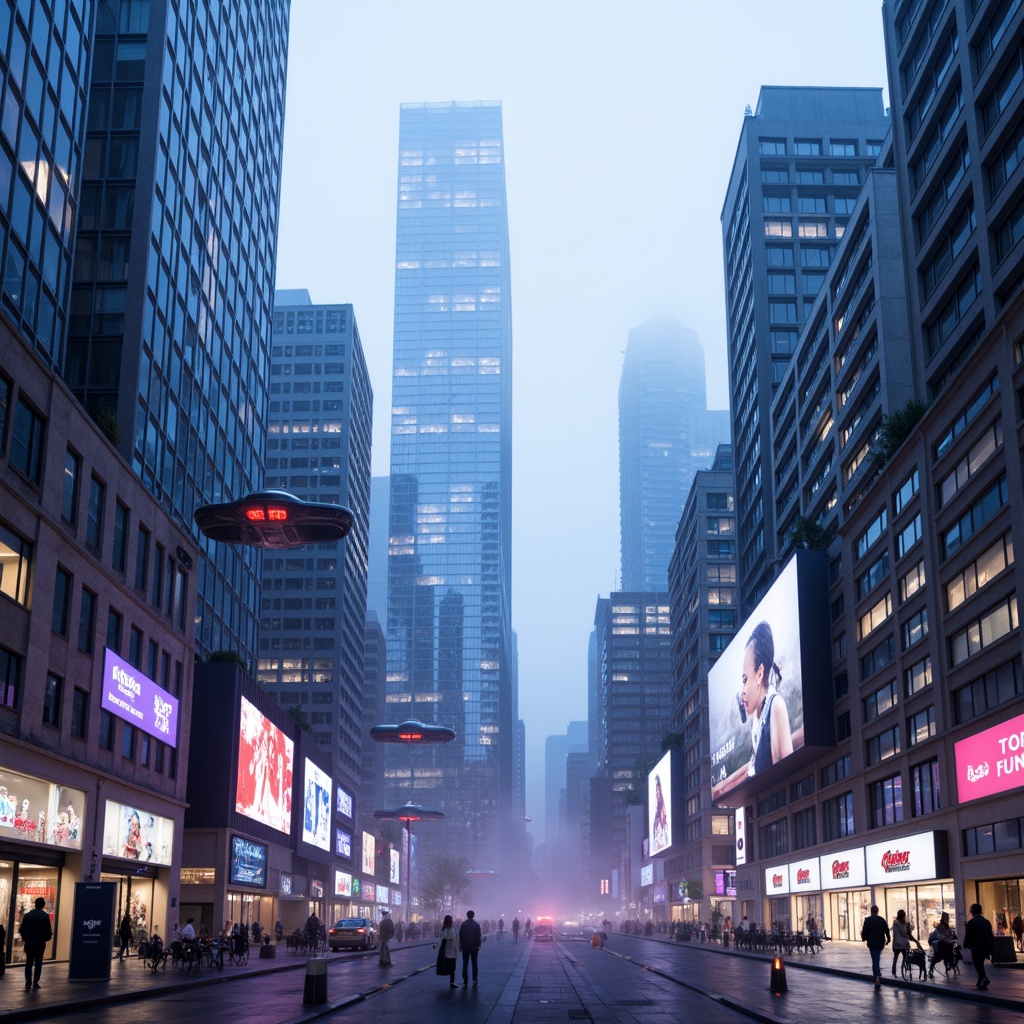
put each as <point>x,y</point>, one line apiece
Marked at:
<point>778,980</point>
<point>316,980</point>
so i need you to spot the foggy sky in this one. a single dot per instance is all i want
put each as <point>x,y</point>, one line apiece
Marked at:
<point>620,121</point>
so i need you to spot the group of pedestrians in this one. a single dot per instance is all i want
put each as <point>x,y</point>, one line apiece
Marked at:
<point>978,938</point>
<point>469,938</point>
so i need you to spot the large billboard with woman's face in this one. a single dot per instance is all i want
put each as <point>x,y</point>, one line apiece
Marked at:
<point>263,789</point>
<point>770,692</point>
<point>659,806</point>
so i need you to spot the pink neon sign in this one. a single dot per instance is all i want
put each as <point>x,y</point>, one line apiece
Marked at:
<point>991,761</point>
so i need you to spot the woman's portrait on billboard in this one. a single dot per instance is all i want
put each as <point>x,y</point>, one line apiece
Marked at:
<point>771,738</point>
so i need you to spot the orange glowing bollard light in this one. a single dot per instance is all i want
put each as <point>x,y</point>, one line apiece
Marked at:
<point>778,980</point>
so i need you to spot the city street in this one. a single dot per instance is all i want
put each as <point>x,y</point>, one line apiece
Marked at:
<point>632,979</point>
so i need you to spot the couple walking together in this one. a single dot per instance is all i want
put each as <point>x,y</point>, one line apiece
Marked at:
<point>469,939</point>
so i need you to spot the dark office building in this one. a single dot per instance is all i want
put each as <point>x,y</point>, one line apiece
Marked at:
<point>800,163</point>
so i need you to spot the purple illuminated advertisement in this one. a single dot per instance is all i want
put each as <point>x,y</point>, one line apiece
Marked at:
<point>134,697</point>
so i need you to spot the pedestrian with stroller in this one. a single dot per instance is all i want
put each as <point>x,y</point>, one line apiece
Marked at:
<point>902,934</point>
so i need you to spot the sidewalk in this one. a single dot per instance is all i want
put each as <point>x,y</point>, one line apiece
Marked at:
<point>851,959</point>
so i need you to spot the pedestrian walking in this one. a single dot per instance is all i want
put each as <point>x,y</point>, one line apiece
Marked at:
<point>278,932</point>
<point>35,931</point>
<point>902,935</point>
<point>126,935</point>
<point>313,931</point>
<point>515,929</point>
<point>1018,930</point>
<point>470,941</point>
<point>875,932</point>
<point>980,940</point>
<point>387,933</point>
<point>447,947</point>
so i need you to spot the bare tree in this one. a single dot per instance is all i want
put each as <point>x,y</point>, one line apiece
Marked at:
<point>446,885</point>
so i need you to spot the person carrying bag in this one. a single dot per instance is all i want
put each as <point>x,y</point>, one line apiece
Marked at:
<point>447,948</point>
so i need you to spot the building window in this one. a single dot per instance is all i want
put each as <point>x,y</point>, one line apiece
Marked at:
<point>804,831</point>
<point>10,678</point>
<point>874,530</point>
<point>26,452</point>
<point>5,398</point>
<point>774,839</point>
<point>837,771</point>
<point>154,650</point>
<point>942,328</point>
<point>878,658</point>
<point>925,781</point>
<point>128,741</point>
<point>989,564</point>
<point>72,472</point>
<point>983,631</point>
<point>921,726</point>
<point>79,713</point>
<point>999,836</point>
<point>873,575</point>
<point>158,574</point>
<point>114,624</point>
<point>917,677</point>
<point>61,601</point>
<point>907,490</point>
<point>880,701</point>
<point>843,726</point>
<point>158,758</point>
<point>135,647</point>
<point>915,629</point>
<point>807,147</point>
<point>984,509</point>
<point>885,800</point>
<point>885,745</point>
<point>94,525</point>
<point>15,566</point>
<point>52,694</point>
<point>144,743</point>
<point>908,536</point>
<point>142,559</point>
<point>106,740</point>
<point>120,556</point>
<point>87,621</point>
<point>989,691</point>
<point>975,458</point>
<point>781,284</point>
<point>966,416</point>
<point>776,204</point>
<point>775,228</point>
<point>837,817</point>
<point>771,147</point>
<point>911,582</point>
<point>874,617</point>
<point>813,229</point>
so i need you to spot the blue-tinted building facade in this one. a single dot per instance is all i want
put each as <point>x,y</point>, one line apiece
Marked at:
<point>170,309</point>
<point>450,646</point>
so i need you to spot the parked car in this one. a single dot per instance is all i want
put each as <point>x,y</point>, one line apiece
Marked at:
<point>352,933</point>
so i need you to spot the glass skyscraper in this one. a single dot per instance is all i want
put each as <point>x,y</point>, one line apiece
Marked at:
<point>450,645</point>
<point>666,434</point>
<point>168,341</point>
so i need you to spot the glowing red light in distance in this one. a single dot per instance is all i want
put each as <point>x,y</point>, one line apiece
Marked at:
<point>410,735</point>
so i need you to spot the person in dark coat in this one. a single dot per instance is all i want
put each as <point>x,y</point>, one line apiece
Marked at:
<point>980,940</point>
<point>875,932</point>
<point>386,933</point>
<point>126,934</point>
<point>35,931</point>
<point>313,930</point>
<point>470,941</point>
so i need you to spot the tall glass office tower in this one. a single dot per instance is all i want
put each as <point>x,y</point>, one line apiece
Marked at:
<point>168,341</point>
<point>449,567</point>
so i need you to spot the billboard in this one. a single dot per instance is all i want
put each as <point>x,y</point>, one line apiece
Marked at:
<point>316,813</point>
<point>343,803</point>
<point>741,836</point>
<point>263,788</point>
<point>766,697</point>
<point>131,832</point>
<point>343,843</point>
<point>843,869</point>
<point>369,853</point>
<point>990,761</point>
<point>659,806</point>
<point>342,883</point>
<point>915,858</point>
<point>130,695</point>
<point>395,876</point>
<point>248,862</point>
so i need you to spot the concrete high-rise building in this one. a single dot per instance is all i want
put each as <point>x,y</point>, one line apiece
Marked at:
<point>313,608</point>
<point>371,788</point>
<point>635,654</point>
<point>799,166</point>
<point>168,335</point>
<point>556,750</point>
<point>450,645</point>
<point>665,435</point>
<point>377,576</point>
<point>705,617</point>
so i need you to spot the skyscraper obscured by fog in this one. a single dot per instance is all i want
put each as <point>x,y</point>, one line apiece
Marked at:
<point>168,337</point>
<point>666,434</point>
<point>450,645</point>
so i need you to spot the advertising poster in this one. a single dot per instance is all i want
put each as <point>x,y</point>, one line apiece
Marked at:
<point>92,931</point>
<point>369,892</point>
<point>248,862</point>
<point>990,761</point>
<point>343,804</point>
<point>755,690</point>
<point>342,883</point>
<point>40,811</point>
<point>369,854</point>
<point>137,699</point>
<point>343,843</point>
<point>659,803</point>
<point>316,815</point>
<point>134,833</point>
<point>396,869</point>
<point>263,789</point>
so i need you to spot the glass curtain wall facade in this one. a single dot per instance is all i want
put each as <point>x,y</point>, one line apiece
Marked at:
<point>44,57</point>
<point>450,644</point>
<point>663,441</point>
<point>313,603</point>
<point>169,330</point>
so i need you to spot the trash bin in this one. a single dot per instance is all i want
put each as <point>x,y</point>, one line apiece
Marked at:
<point>316,980</point>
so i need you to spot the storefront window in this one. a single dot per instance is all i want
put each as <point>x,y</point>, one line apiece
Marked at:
<point>808,906</point>
<point>134,898</point>
<point>924,905</point>
<point>1002,901</point>
<point>31,882</point>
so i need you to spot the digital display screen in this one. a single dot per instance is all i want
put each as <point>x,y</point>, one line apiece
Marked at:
<point>316,808</point>
<point>248,862</point>
<point>134,833</point>
<point>263,790</point>
<point>659,803</point>
<point>137,699</point>
<point>343,843</point>
<point>369,853</point>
